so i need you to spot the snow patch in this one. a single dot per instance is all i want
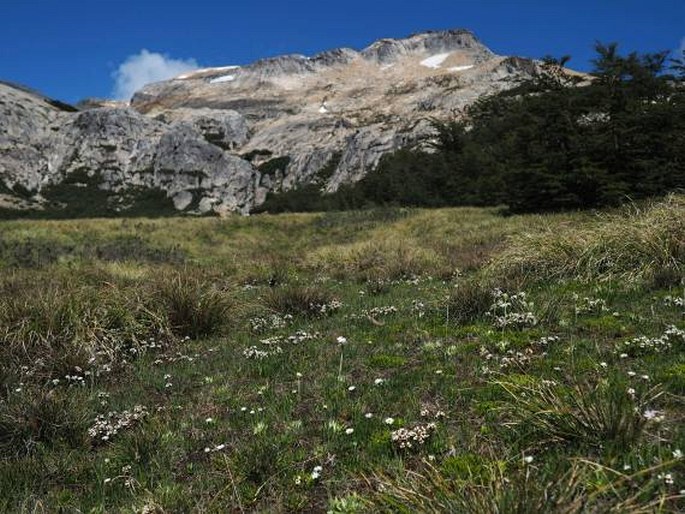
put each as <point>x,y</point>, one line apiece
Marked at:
<point>434,61</point>
<point>206,70</point>
<point>322,109</point>
<point>223,78</point>
<point>461,68</point>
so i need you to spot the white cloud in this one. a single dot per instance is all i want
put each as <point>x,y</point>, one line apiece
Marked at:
<point>144,68</point>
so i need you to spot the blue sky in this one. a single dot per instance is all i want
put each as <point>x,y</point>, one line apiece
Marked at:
<point>72,49</point>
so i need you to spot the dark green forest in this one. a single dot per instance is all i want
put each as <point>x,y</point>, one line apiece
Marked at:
<point>559,141</point>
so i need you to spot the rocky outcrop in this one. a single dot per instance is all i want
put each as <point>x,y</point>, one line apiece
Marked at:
<point>222,138</point>
<point>186,158</point>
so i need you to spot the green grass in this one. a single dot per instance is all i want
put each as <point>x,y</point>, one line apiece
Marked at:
<point>265,363</point>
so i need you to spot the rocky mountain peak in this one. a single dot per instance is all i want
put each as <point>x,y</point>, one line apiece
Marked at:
<point>222,138</point>
<point>386,51</point>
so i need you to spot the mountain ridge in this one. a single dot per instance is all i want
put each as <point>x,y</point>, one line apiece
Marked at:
<point>220,139</point>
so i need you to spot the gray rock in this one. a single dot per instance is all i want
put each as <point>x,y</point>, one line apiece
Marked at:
<point>121,148</point>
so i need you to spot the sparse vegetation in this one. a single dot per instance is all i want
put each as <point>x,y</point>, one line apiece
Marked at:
<point>389,360</point>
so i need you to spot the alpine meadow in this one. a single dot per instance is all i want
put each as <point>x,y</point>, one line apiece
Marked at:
<point>415,278</point>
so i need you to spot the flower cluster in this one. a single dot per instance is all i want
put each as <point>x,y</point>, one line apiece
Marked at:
<point>545,341</point>
<point>511,359</point>
<point>375,312</point>
<point>643,345</point>
<point>109,425</point>
<point>427,413</point>
<point>406,438</point>
<point>674,301</point>
<point>259,325</point>
<point>590,305</point>
<point>252,352</point>
<point>512,310</point>
<point>418,307</point>
<point>274,344</point>
<point>326,309</point>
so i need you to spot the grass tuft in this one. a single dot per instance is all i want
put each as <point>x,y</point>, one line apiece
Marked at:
<point>607,415</point>
<point>642,242</point>
<point>306,301</point>
<point>194,307</point>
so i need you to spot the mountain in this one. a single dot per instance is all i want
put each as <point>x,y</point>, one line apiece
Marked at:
<point>220,139</point>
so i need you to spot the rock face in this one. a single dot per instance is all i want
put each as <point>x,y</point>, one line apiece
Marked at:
<point>211,139</point>
<point>41,146</point>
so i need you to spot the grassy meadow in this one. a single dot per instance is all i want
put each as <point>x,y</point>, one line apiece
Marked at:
<point>391,360</point>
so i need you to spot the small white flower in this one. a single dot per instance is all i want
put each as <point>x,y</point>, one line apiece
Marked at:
<point>207,450</point>
<point>341,340</point>
<point>378,381</point>
<point>298,374</point>
<point>626,467</point>
<point>368,415</point>
<point>389,421</point>
<point>438,372</point>
<point>667,478</point>
<point>528,459</point>
<point>209,420</point>
<point>603,364</point>
<point>653,415</point>
<point>349,431</point>
<point>677,454</point>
